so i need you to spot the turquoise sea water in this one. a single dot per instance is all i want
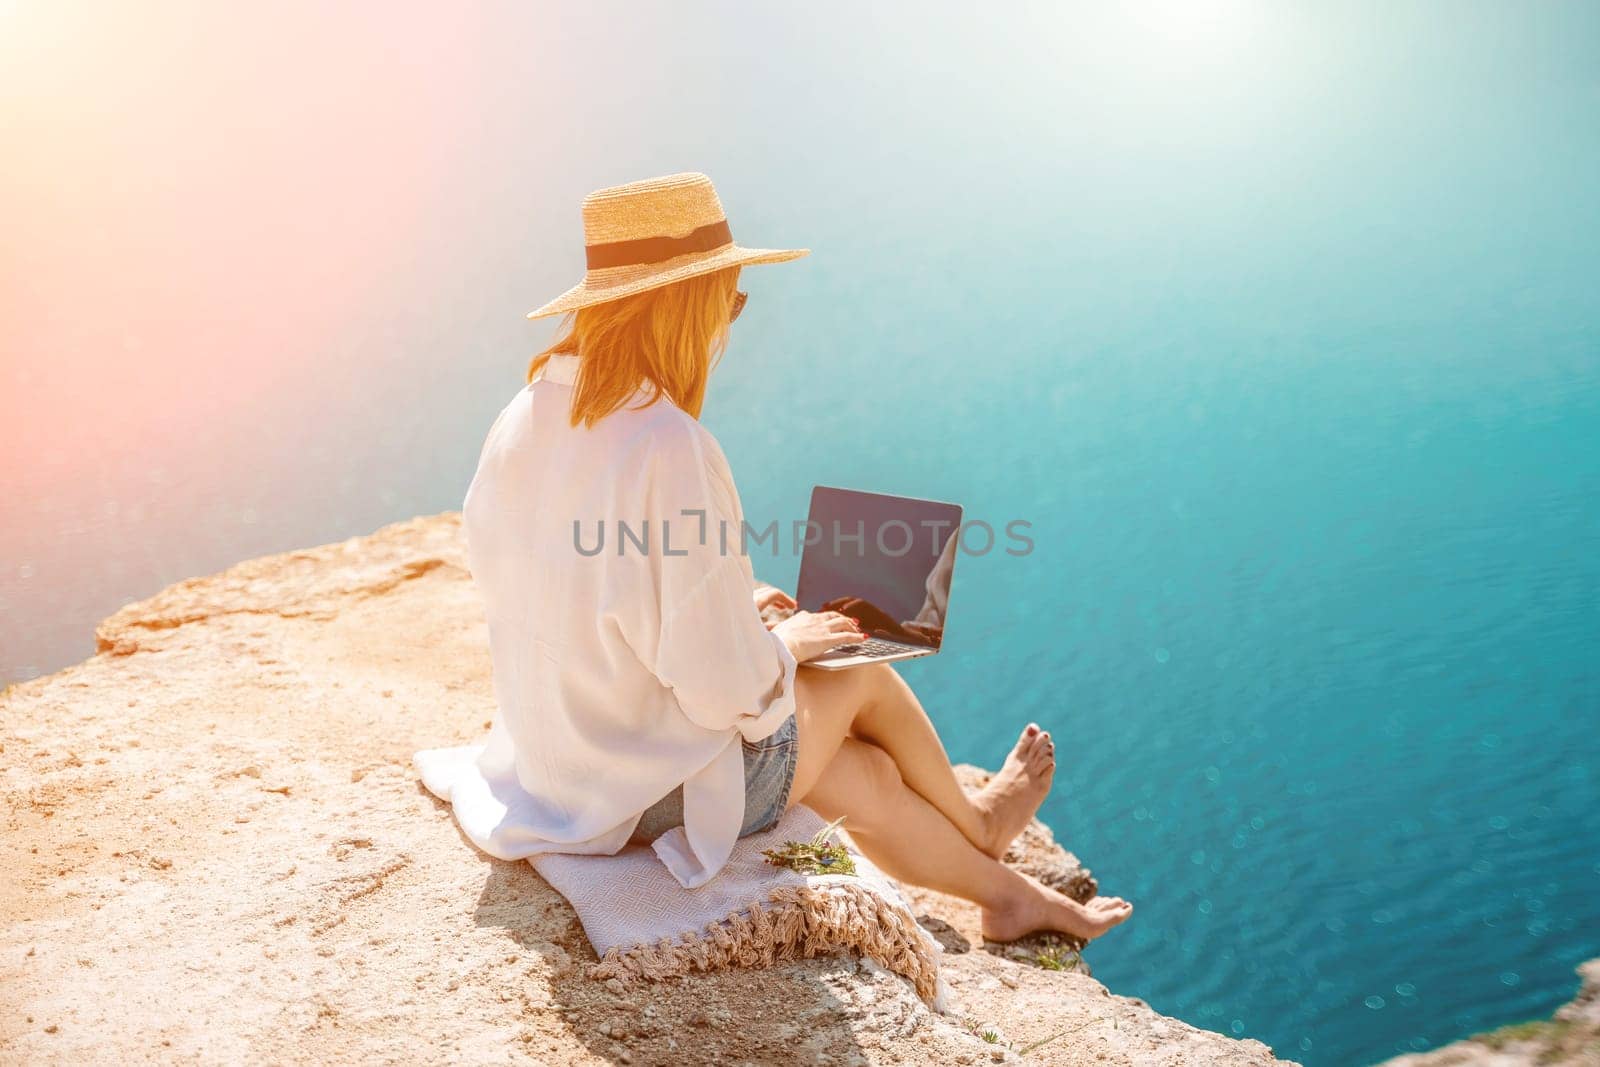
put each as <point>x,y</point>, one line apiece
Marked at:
<point>1310,439</point>
<point>1279,323</point>
<point>1319,646</point>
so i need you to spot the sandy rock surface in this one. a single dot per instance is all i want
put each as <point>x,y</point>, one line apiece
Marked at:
<point>216,850</point>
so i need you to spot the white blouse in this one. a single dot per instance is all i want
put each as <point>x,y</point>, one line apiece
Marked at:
<point>621,673</point>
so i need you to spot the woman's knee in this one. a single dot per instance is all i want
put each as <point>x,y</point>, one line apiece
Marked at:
<point>876,675</point>
<point>835,696</point>
<point>879,687</point>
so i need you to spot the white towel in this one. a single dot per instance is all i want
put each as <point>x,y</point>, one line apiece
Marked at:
<point>643,924</point>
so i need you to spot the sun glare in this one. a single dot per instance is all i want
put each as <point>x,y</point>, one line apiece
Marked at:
<point>1196,23</point>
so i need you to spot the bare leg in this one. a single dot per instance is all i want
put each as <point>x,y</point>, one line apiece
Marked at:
<point>874,704</point>
<point>911,840</point>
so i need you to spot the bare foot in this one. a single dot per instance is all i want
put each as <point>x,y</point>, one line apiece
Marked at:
<point>1038,908</point>
<point>1013,795</point>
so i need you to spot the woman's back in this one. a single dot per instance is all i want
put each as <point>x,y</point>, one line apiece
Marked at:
<point>625,665</point>
<point>577,537</point>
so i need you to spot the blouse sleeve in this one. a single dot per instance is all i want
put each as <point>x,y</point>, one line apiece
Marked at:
<point>700,632</point>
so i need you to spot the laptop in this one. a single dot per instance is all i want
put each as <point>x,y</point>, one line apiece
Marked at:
<point>884,560</point>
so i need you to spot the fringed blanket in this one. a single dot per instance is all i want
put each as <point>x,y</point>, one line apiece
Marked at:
<point>643,924</point>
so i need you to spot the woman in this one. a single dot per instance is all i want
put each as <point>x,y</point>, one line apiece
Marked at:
<point>640,696</point>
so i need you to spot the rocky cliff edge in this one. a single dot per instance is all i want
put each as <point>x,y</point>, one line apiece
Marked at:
<point>216,850</point>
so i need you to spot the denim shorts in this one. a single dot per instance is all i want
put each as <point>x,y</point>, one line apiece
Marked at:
<point>768,776</point>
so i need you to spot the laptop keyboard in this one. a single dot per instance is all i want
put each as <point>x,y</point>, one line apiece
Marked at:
<point>869,647</point>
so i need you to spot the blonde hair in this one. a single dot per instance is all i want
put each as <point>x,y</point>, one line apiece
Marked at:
<point>667,339</point>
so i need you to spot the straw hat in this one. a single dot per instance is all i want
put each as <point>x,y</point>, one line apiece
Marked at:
<point>647,234</point>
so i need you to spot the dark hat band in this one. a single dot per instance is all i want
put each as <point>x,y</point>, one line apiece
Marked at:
<point>707,238</point>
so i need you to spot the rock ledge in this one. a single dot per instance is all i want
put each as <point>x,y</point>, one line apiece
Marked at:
<point>216,850</point>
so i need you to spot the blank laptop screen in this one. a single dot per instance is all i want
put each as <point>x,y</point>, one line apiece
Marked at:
<point>885,560</point>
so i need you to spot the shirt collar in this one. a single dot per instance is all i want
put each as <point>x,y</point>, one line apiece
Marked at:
<point>562,367</point>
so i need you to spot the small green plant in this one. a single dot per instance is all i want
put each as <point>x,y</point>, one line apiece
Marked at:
<point>820,855</point>
<point>1058,956</point>
<point>1035,1046</point>
<point>982,1031</point>
<point>1040,1044</point>
<point>992,1036</point>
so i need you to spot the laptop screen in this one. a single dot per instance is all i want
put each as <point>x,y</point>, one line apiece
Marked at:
<point>884,560</point>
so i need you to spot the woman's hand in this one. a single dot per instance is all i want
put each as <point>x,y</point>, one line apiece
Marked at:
<point>875,620</point>
<point>773,605</point>
<point>808,634</point>
<point>770,596</point>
